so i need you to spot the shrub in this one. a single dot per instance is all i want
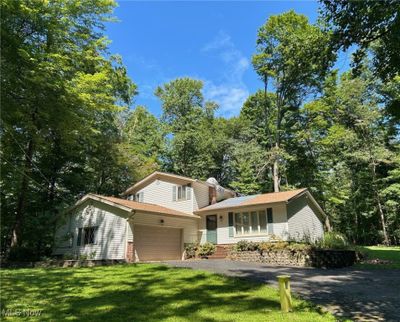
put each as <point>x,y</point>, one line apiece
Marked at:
<point>191,249</point>
<point>333,240</point>
<point>271,246</point>
<point>68,256</point>
<point>206,249</point>
<point>244,245</point>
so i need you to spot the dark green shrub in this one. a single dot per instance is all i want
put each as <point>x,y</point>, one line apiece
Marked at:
<point>206,249</point>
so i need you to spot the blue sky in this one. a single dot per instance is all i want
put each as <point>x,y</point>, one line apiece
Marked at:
<point>211,41</point>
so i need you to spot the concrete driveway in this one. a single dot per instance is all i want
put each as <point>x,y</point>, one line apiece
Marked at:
<point>368,295</point>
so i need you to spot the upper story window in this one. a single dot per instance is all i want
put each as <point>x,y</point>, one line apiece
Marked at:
<point>139,196</point>
<point>180,193</point>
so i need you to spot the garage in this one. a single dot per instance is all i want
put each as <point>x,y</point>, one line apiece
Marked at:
<point>154,243</point>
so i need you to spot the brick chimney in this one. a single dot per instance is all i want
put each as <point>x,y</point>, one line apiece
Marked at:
<point>212,194</point>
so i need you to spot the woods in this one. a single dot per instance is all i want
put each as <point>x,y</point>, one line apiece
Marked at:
<point>69,124</point>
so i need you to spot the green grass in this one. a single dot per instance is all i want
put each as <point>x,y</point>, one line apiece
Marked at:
<point>383,253</point>
<point>144,292</point>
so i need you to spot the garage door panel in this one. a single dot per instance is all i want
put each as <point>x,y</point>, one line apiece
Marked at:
<point>157,243</point>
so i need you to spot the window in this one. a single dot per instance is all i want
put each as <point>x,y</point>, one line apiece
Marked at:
<point>139,196</point>
<point>86,236</point>
<point>131,197</point>
<point>253,223</point>
<point>180,193</point>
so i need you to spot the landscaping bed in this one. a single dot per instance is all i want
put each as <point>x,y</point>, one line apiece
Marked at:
<point>331,252</point>
<point>321,258</point>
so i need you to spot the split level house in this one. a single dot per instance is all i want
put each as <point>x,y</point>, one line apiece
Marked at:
<point>156,217</point>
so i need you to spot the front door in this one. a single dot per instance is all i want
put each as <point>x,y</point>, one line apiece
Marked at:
<point>211,226</point>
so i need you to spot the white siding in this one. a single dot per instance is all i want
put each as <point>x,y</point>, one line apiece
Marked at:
<point>201,196</point>
<point>189,225</point>
<point>279,225</point>
<point>159,192</point>
<point>111,232</point>
<point>303,222</point>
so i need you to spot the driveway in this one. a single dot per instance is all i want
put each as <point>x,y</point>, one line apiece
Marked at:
<point>367,295</point>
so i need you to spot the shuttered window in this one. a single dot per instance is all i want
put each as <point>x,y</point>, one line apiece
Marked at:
<point>181,193</point>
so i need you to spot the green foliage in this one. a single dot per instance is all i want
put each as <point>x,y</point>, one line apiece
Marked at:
<point>370,25</point>
<point>206,249</point>
<point>244,245</point>
<point>191,250</point>
<point>333,240</point>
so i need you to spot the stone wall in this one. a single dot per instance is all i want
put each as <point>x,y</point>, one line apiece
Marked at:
<point>304,258</point>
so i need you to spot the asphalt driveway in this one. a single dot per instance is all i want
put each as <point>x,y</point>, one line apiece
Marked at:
<point>369,295</point>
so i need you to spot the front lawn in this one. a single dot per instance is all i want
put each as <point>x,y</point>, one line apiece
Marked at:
<point>376,254</point>
<point>143,292</point>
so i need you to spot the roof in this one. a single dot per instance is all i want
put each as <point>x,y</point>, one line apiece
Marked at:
<point>174,177</point>
<point>157,175</point>
<point>129,205</point>
<point>254,200</point>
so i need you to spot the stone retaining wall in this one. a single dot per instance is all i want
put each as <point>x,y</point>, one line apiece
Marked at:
<point>320,258</point>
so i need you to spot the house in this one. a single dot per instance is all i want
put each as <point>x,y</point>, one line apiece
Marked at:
<point>157,216</point>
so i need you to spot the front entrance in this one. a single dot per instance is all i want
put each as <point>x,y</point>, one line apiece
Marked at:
<point>211,226</point>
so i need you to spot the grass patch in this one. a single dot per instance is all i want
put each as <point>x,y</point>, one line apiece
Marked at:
<point>384,253</point>
<point>144,292</point>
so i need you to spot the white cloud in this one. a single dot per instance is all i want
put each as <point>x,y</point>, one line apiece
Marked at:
<point>231,92</point>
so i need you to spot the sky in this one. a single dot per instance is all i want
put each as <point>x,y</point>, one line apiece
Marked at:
<point>212,41</point>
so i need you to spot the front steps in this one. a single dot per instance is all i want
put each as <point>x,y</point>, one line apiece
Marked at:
<point>221,252</point>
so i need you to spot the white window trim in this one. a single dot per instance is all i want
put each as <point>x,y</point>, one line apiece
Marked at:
<point>251,234</point>
<point>187,193</point>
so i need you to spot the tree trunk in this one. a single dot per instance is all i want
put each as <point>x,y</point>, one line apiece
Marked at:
<point>19,213</point>
<point>275,174</point>
<point>379,204</point>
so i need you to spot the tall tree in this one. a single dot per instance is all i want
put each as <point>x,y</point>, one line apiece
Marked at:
<point>190,121</point>
<point>368,24</point>
<point>60,87</point>
<point>295,55</point>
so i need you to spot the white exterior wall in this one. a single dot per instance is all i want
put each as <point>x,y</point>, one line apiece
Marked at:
<point>159,192</point>
<point>303,222</point>
<point>111,235</point>
<point>279,225</point>
<point>201,196</point>
<point>189,225</point>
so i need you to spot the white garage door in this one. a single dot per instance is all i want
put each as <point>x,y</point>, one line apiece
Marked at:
<point>157,243</point>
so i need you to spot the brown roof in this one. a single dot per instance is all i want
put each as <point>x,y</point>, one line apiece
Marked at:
<point>273,197</point>
<point>141,206</point>
<point>254,200</point>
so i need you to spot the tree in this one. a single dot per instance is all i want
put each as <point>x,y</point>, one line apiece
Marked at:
<point>189,121</point>
<point>296,56</point>
<point>368,24</point>
<point>348,140</point>
<point>61,92</point>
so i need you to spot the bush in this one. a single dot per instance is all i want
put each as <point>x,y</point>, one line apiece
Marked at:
<point>191,250</point>
<point>271,246</point>
<point>333,240</point>
<point>244,245</point>
<point>206,249</point>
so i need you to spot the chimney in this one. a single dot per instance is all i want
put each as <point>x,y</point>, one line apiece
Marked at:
<point>212,194</point>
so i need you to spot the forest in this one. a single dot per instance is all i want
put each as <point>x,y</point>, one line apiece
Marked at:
<point>70,125</point>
